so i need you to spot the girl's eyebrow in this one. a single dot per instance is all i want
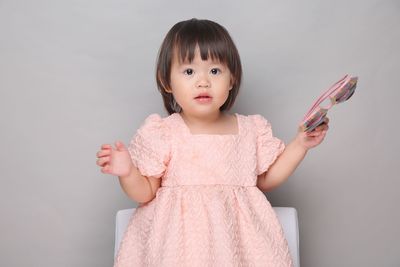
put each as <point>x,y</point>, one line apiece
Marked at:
<point>184,64</point>
<point>212,62</point>
<point>218,62</point>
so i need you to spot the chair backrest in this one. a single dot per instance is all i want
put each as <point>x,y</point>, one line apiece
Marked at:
<point>287,217</point>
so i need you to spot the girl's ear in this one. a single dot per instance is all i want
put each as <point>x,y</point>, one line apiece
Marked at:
<point>231,82</point>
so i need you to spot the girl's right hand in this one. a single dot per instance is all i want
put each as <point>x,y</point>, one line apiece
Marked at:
<point>116,161</point>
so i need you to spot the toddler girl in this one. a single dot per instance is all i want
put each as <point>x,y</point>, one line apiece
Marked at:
<point>199,173</point>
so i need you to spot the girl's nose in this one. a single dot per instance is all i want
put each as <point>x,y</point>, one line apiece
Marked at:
<point>203,81</point>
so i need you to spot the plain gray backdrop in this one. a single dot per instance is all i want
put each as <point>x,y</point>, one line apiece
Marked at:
<point>78,74</point>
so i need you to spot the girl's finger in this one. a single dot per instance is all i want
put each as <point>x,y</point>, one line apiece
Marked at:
<point>103,160</point>
<point>314,133</point>
<point>106,146</point>
<point>119,145</point>
<point>105,169</point>
<point>103,152</point>
<point>322,127</point>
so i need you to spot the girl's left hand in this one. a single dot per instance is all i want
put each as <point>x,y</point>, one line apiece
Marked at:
<point>311,139</point>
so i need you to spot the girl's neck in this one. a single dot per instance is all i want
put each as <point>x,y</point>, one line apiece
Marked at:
<point>225,124</point>
<point>205,120</point>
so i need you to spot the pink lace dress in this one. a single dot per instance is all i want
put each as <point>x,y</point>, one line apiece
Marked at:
<point>208,210</point>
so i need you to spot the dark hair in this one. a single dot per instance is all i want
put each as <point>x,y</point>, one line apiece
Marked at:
<point>213,40</point>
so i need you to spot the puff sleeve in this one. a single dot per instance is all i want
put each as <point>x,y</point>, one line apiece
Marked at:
<point>149,147</point>
<point>268,146</point>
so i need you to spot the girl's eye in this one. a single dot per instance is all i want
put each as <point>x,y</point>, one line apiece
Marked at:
<point>215,71</point>
<point>188,71</point>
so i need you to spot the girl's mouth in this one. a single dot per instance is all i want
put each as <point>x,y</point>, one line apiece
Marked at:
<point>203,99</point>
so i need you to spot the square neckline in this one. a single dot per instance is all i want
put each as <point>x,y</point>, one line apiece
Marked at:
<point>187,129</point>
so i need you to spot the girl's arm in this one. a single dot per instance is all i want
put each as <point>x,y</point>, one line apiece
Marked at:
<point>117,161</point>
<point>139,188</point>
<point>291,157</point>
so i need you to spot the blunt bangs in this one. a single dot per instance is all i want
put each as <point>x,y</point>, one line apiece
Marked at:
<point>209,40</point>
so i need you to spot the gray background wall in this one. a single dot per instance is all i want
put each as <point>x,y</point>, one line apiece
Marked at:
<point>77,74</point>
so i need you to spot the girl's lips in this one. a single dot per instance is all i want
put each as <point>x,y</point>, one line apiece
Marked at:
<point>203,99</point>
<point>203,95</point>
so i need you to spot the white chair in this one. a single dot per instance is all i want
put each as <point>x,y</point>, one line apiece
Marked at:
<point>287,216</point>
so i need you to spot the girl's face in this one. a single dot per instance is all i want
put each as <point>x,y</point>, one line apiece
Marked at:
<point>190,79</point>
